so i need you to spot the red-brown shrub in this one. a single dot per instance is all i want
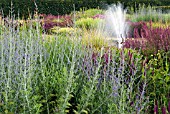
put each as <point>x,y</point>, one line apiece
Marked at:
<point>62,21</point>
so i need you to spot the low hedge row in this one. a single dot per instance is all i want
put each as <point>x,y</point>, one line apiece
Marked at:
<point>55,7</point>
<point>26,7</point>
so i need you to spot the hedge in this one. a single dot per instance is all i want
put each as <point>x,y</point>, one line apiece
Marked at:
<point>26,7</point>
<point>55,7</point>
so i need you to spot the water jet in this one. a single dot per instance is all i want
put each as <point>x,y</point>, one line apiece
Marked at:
<point>115,25</point>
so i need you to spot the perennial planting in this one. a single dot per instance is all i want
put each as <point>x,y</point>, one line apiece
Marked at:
<point>63,64</point>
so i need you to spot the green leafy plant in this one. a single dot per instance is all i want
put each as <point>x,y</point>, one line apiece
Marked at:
<point>87,23</point>
<point>159,81</point>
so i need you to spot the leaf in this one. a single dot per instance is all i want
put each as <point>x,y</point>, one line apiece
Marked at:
<point>43,101</point>
<point>86,112</point>
<point>152,93</point>
<point>10,113</point>
<point>67,111</point>
<point>75,112</point>
<point>167,79</point>
<point>52,95</point>
<point>68,104</point>
<point>65,71</point>
<point>1,104</point>
<point>6,111</point>
<point>11,103</point>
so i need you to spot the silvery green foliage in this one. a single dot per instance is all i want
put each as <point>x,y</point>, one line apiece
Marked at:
<point>21,52</point>
<point>114,80</point>
<point>35,79</point>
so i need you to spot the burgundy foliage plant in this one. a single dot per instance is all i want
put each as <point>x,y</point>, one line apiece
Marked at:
<point>147,38</point>
<point>62,21</point>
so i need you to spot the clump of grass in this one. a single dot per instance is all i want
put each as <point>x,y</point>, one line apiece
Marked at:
<point>150,14</point>
<point>93,39</point>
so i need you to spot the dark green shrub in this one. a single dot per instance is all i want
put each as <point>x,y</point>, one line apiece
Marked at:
<point>58,7</point>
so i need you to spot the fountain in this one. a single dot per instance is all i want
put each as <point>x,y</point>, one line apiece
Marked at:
<point>115,24</point>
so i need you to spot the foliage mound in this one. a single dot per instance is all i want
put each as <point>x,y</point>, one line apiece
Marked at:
<point>51,21</point>
<point>88,23</point>
<point>65,31</point>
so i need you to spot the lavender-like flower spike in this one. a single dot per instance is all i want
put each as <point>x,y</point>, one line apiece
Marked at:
<point>163,110</point>
<point>169,106</point>
<point>156,107</point>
